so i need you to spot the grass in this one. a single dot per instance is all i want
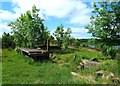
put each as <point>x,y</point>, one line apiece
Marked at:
<point>0,66</point>
<point>18,69</point>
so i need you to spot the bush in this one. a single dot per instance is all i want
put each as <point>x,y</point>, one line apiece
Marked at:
<point>109,51</point>
<point>84,45</point>
<point>7,41</point>
<point>17,49</point>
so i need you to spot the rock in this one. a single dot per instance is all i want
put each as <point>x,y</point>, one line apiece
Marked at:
<point>115,80</point>
<point>88,77</point>
<point>111,75</point>
<point>54,57</point>
<point>88,63</point>
<point>74,74</point>
<point>82,66</point>
<point>85,61</point>
<point>39,48</point>
<point>100,73</point>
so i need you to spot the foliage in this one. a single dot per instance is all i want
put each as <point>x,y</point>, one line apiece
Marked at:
<point>17,48</point>
<point>51,37</point>
<point>66,38</point>
<point>76,42</point>
<point>59,35</point>
<point>7,40</point>
<point>29,30</point>
<point>105,25</point>
<point>79,42</point>
<point>0,42</point>
<point>82,53</point>
<point>72,41</point>
<point>84,44</point>
<point>62,36</point>
<point>109,50</point>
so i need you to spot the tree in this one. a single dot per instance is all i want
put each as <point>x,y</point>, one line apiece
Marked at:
<point>7,40</point>
<point>72,40</point>
<point>61,36</point>
<point>29,30</point>
<point>66,38</point>
<point>105,25</point>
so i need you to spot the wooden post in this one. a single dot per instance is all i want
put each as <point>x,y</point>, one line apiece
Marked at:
<point>48,44</point>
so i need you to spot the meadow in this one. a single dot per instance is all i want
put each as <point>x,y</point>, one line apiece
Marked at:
<point>19,69</point>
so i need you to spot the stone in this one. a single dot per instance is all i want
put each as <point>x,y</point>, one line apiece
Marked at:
<point>110,75</point>
<point>115,80</point>
<point>39,48</point>
<point>88,63</point>
<point>100,73</point>
<point>54,57</point>
<point>74,74</point>
<point>82,66</point>
<point>86,77</point>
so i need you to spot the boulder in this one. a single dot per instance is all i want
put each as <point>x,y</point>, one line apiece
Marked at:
<point>88,63</point>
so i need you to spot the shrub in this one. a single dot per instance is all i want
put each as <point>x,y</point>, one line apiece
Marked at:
<point>17,49</point>
<point>7,41</point>
<point>84,45</point>
<point>109,51</point>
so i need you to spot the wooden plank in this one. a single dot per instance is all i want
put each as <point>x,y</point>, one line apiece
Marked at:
<point>30,50</point>
<point>35,53</point>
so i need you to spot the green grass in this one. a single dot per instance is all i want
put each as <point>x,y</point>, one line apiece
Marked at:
<point>0,66</point>
<point>18,69</point>
<point>82,53</point>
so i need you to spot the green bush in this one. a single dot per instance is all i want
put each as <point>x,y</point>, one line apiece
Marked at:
<point>109,51</point>
<point>17,49</point>
<point>7,41</point>
<point>84,45</point>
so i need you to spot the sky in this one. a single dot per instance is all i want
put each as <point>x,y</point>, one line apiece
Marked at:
<point>74,14</point>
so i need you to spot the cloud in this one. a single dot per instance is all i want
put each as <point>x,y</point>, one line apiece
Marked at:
<point>81,30</point>
<point>77,32</point>
<point>80,19</point>
<point>80,33</point>
<point>4,28</point>
<point>7,16</point>
<point>21,6</point>
<point>76,11</point>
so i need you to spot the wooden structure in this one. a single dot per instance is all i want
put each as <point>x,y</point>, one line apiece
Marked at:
<point>36,54</point>
<point>40,53</point>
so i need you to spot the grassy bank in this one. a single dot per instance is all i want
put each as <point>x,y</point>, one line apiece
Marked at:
<point>18,69</point>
